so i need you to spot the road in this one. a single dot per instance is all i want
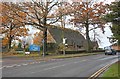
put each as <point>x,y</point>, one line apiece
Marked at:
<point>69,67</point>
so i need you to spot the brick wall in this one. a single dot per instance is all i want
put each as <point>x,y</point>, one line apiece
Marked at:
<point>116,47</point>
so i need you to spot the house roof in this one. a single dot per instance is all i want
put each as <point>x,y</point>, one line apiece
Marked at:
<point>73,37</point>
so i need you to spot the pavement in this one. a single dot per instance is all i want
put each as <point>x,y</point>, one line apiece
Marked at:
<point>69,67</point>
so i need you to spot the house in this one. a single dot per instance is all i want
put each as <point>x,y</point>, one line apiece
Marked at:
<point>115,46</point>
<point>74,40</point>
<point>95,45</point>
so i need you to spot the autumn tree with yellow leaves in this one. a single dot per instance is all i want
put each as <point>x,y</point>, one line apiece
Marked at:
<point>40,14</point>
<point>10,25</point>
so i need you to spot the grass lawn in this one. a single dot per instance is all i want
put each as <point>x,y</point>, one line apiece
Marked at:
<point>113,72</point>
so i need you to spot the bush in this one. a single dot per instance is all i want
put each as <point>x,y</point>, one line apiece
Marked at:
<point>61,47</point>
<point>12,52</point>
<point>27,49</point>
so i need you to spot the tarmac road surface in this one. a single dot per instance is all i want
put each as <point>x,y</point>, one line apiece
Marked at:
<point>69,67</point>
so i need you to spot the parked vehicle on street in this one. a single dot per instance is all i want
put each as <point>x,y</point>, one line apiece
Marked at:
<point>110,52</point>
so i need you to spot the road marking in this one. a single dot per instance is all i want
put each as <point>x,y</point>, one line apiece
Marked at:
<point>1,67</point>
<point>109,57</point>
<point>96,74</point>
<point>18,65</point>
<point>84,60</point>
<point>32,72</point>
<point>14,65</point>
<point>98,57</point>
<point>24,64</point>
<point>75,62</point>
<point>9,66</point>
<point>4,67</point>
<point>59,66</point>
<point>79,61</point>
<point>65,64</point>
<point>54,67</point>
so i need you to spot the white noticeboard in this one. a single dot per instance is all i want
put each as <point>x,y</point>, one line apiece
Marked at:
<point>27,53</point>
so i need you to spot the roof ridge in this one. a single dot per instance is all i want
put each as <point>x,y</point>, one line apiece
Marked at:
<point>63,28</point>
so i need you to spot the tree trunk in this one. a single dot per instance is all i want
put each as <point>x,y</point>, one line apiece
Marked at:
<point>10,38</point>
<point>88,47</point>
<point>44,41</point>
<point>10,41</point>
<point>44,37</point>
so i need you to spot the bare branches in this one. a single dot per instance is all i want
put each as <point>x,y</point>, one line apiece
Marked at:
<point>56,20</point>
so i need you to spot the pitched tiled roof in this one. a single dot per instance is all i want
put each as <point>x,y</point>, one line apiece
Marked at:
<point>73,37</point>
